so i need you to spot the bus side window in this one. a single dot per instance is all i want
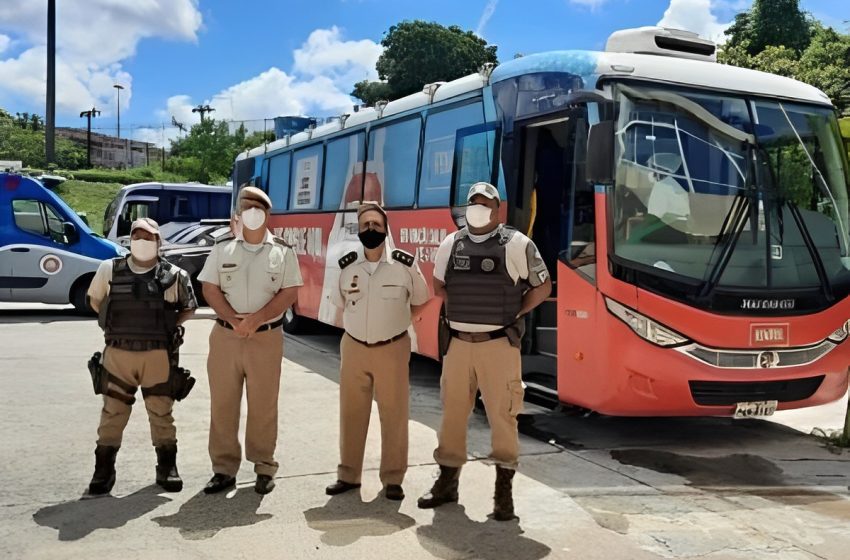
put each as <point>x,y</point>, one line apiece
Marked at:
<point>343,171</point>
<point>219,205</point>
<point>395,148</point>
<point>306,181</point>
<point>278,181</point>
<point>438,151</point>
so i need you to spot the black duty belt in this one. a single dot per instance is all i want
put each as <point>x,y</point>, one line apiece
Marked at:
<point>261,328</point>
<point>382,342</point>
<point>478,336</point>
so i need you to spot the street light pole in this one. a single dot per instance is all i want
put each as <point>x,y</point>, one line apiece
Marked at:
<point>50,110</point>
<point>89,114</point>
<point>118,88</point>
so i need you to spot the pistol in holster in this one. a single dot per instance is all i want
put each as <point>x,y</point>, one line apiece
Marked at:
<point>444,335</point>
<point>515,332</point>
<point>180,381</point>
<point>101,378</point>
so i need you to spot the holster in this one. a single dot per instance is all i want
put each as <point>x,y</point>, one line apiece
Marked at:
<point>178,386</point>
<point>444,335</point>
<point>515,332</point>
<point>101,378</point>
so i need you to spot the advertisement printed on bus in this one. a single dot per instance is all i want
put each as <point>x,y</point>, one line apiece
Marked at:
<point>693,216</point>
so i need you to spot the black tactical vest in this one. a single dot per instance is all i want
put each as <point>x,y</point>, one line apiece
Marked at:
<point>479,288</point>
<point>134,315</point>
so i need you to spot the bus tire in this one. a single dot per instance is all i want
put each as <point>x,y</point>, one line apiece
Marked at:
<point>78,296</point>
<point>292,322</point>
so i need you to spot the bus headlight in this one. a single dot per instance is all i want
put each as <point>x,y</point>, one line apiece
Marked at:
<point>841,333</point>
<point>645,327</point>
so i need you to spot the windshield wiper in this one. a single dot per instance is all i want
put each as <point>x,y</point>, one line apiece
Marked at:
<point>810,245</point>
<point>733,224</point>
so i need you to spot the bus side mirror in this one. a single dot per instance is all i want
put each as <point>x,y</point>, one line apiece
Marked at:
<point>600,153</point>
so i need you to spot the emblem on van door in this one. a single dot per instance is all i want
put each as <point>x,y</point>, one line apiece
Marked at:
<point>768,304</point>
<point>50,264</point>
<point>767,359</point>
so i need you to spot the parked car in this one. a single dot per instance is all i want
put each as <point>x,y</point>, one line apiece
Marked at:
<point>189,248</point>
<point>173,205</point>
<point>47,253</point>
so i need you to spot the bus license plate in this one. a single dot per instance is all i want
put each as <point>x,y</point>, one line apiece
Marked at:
<point>755,408</point>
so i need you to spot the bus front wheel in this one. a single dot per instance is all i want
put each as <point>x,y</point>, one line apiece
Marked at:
<point>291,321</point>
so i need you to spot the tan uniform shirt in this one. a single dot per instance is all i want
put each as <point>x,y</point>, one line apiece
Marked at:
<point>251,275</point>
<point>179,292</point>
<point>376,297</point>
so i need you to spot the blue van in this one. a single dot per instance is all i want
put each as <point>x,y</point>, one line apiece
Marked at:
<point>47,253</point>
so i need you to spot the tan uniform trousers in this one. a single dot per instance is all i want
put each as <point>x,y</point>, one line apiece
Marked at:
<point>495,367</point>
<point>254,362</point>
<point>140,369</point>
<point>382,371</point>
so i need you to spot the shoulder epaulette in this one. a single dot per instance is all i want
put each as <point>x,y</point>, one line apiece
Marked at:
<point>280,241</point>
<point>347,259</point>
<point>506,233</point>
<point>403,257</point>
<point>226,237</point>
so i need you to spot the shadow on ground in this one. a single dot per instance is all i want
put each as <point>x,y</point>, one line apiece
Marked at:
<point>203,516</point>
<point>77,519</point>
<point>346,518</point>
<point>452,535</point>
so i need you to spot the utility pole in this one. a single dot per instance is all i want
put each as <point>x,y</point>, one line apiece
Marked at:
<point>50,111</point>
<point>89,114</point>
<point>118,88</point>
<point>202,109</point>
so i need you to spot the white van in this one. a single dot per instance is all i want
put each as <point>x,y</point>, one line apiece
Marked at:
<point>173,205</point>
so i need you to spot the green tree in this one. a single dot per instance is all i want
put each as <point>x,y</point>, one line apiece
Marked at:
<point>771,22</point>
<point>372,92</point>
<point>207,152</point>
<point>419,52</point>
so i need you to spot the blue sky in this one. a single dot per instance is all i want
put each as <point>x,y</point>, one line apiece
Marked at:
<point>260,58</point>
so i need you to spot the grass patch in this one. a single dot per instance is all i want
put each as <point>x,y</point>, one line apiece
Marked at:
<point>126,176</point>
<point>91,198</point>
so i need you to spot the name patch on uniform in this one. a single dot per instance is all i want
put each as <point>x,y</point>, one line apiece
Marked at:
<point>228,265</point>
<point>462,262</point>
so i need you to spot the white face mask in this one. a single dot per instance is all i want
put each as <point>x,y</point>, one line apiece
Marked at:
<point>478,215</point>
<point>253,218</point>
<point>143,250</point>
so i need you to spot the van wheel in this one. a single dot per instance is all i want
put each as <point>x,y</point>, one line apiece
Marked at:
<point>78,297</point>
<point>291,321</point>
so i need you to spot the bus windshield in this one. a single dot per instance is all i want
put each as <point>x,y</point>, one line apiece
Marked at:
<point>726,192</point>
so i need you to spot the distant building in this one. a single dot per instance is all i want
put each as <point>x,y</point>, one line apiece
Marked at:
<point>115,153</point>
<point>292,125</point>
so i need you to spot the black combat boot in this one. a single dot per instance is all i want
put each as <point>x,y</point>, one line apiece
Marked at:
<point>166,468</point>
<point>104,470</point>
<point>503,501</point>
<point>444,490</point>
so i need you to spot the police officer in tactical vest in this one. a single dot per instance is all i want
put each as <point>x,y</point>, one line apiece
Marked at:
<point>141,300</point>
<point>379,291</point>
<point>489,276</point>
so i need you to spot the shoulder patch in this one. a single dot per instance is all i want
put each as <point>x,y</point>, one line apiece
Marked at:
<point>226,237</point>
<point>347,259</point>
<point>403,257</point>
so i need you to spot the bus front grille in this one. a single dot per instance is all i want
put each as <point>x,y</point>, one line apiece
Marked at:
<point>724,393</point>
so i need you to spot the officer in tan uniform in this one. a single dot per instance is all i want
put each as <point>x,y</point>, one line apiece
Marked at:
<point>379,290</point>
<point>489,276</point>
<point>140,300</point>
<point>249,279</point>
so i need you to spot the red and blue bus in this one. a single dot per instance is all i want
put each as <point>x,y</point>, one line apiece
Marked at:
<point>693,215</point>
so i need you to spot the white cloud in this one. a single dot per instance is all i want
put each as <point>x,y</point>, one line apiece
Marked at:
<point>93,38</point>
<point>326,54</point>
<point>592,4</point>
<point>696,16</point>
<point>488,12</point>
<point>325,70</point>
<point>5,41</point>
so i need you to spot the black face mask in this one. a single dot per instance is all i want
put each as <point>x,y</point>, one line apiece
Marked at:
<point>372,239</point>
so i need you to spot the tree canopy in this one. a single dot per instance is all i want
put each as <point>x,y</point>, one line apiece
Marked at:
<point>776,36</point>
<point>419,52</point>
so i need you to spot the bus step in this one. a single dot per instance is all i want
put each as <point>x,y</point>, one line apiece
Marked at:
<point>541,395</point>
<point>546,340</point>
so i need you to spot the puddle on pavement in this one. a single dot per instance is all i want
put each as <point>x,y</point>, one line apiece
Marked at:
<point>730,470</point>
